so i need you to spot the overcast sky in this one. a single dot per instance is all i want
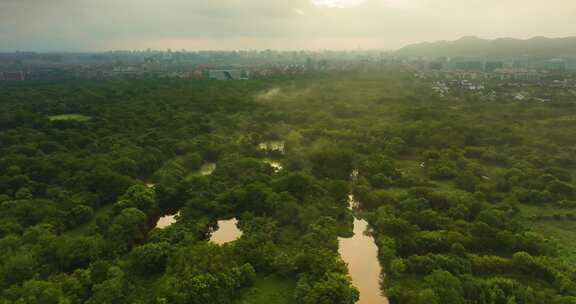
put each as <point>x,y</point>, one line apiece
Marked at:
<point>84,25</point>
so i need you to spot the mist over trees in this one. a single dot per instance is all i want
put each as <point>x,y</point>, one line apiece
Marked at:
<point>443,183</point>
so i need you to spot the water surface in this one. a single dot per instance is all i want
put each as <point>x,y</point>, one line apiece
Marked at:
<point>276,166</point>
<point>227,232</point>
<point>166,220</point>
<point>207,169</point>
<point>361,254</point>
<point>274,145</point>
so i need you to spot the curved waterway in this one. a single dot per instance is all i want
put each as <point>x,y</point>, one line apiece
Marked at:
<point>361,254</point>
<point>227,232</point>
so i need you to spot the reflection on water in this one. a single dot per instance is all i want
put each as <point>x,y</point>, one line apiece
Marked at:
<point>276,166</point>
<point>275,145</point>
<point>207,169</point>
<point>166,221</point>
<point>227,232</point>
<point>354,175</point>
<point>361,254</point>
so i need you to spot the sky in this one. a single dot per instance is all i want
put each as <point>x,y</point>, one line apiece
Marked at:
<point>101,25</point>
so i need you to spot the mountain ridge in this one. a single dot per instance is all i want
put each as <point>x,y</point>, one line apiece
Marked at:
<point>473,46</point>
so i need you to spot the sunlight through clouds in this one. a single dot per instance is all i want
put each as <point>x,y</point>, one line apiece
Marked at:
<point>399,4</point>
<point>299,11</point>
<point>338,3</point>
<point>233,24</point>
<point>404,4</point>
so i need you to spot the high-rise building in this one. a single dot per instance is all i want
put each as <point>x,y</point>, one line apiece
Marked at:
<point>491,66</point>
<point>555,65</point>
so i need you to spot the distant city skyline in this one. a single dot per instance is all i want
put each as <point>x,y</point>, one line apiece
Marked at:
<point>103,25</point>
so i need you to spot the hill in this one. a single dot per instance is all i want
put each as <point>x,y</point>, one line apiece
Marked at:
<point>503,47</point>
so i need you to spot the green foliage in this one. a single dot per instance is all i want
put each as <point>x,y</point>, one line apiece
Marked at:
<point>127,228</point>
<point>334,288</point>
<point>149,258</point>
<point>332,162</point>
<point>445,286</point>
<point>451,188</point>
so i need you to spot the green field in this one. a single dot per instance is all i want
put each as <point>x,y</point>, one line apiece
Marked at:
<point>69,117</point>
<point>563,232</point>
<point>270,290</point>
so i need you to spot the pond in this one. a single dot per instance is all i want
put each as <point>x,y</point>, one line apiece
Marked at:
<point>275,145</point>
<point>166,220</point>
<point>361,255</point>
<point>276,166</point>
<point>207,169</point>
<point>227,232</point>
<point>170,219</point>
<point>69,117</point>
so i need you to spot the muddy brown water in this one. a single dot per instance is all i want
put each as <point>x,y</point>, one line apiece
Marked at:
<point>361,255</point>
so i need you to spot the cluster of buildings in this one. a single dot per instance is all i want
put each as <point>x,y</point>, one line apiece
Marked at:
<point>13,76</point>
<point>216,65</point>
<point>518,69</point>
<point>519,79</point>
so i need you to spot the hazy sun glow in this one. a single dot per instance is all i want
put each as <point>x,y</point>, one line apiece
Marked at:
<point>337,3</point>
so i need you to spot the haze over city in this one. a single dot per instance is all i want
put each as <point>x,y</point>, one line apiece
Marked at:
<point>288,151</point>
<point>72,25</point>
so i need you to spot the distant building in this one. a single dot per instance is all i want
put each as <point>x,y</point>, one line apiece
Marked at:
<point>310,65</point>
<point>521,63</point>
<point>435,65</point>
<point>13,76</point>
<point>518,74</point>
<point>491,66</point>
<point>468,65</point>
<point>555,65</point>
<point>227,74</point>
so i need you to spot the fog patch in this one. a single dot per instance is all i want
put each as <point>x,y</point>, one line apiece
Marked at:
<point>268,95</point>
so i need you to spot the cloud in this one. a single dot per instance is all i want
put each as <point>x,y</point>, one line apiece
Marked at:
<point>201,24</point>
<point>338,3</point>
<point>404,4</point>
<point>299,11</point>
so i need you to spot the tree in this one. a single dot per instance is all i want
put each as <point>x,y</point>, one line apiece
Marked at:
<point>138,196</point>
<point>192,161</point>
<point>18,268</point>
<point>149,258</point>
<point>106,183</point>
<point>332,162</point>
<point>428,296</point>
<point>127,228</point>
<point>445,286</point>
<point>334,288</point>
<point>113,290</point>
<point>80,215</point>
<point>465,180</point>
<point>41,292</point>
<point>69,253</point>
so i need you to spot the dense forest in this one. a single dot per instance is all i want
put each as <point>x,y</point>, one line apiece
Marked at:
<point>469,201</point>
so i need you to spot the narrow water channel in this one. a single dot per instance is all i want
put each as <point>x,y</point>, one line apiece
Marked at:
<point>361,254</point>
